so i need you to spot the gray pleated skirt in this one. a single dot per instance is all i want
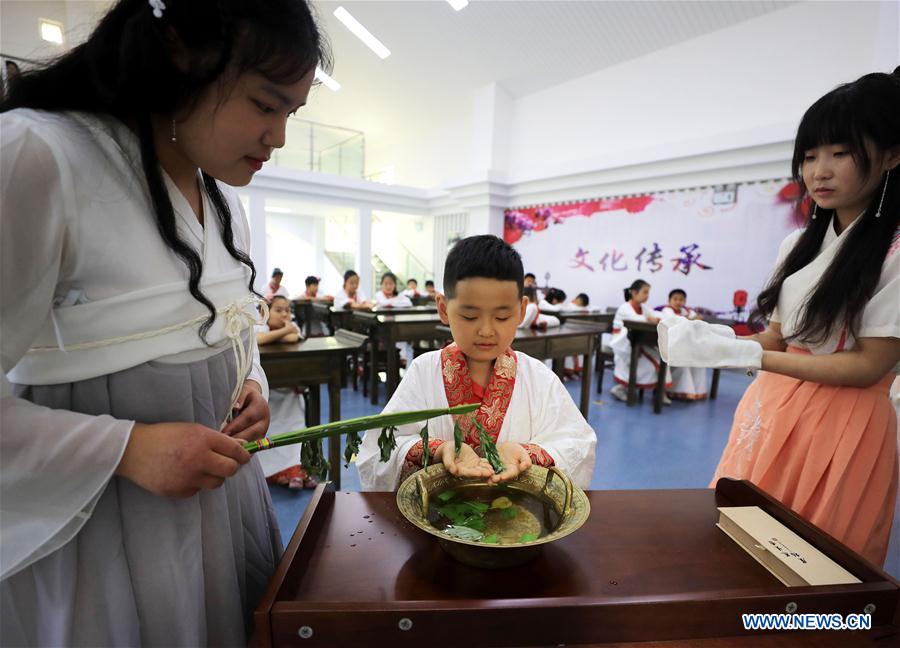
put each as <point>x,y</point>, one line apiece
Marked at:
<point>147,570</point>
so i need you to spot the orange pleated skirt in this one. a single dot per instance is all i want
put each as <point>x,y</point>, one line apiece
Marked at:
<point>829,453</point>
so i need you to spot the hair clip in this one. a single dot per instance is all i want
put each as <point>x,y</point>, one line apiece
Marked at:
<point>158,7</point>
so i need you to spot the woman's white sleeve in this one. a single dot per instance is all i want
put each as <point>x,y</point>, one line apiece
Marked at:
<point>54,464</point>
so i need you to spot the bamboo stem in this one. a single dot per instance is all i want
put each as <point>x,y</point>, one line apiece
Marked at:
<point>378,421</point>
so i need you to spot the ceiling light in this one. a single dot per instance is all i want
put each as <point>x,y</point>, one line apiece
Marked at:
<point>326,80</point>
<point>458,4</point>
<point>51,31</point>
<point>361,32</point>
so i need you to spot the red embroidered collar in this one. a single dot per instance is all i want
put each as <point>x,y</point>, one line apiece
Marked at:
<point>461,390</point>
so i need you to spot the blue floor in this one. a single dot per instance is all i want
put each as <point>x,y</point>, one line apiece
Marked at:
<point>635,448</point>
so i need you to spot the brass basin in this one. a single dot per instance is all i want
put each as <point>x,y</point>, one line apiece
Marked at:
<point>566,499</point>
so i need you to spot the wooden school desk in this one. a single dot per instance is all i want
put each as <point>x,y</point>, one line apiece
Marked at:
<point>310,363</point>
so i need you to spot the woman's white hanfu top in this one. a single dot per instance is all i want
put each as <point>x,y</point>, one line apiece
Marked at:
<point>89,288</point>
<point>881,315</point>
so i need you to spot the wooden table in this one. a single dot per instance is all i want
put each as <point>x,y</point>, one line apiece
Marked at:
<point>647,566</point>
<point>598,316</point>
<point>342,318</point>
<point>572,339</point>
<point>644,334</point>
<point>310,363</point>
<point>306,313</point>
<point>604,319</point>
<point>389,327</point>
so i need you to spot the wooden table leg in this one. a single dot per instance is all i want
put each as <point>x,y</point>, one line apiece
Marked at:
<point>315,405</point>
<point>334,441</point>
<point>586,375</point>
<point>714,388</point>
<point>660,388</point>
<point>559,367</point>
<point>632,375</point>
<point>373,370</point>
<point>393,364</point>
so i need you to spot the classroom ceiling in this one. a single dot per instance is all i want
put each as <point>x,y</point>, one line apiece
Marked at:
<point>525,46</point>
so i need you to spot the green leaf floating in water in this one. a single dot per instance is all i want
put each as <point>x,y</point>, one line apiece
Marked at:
<point>353,443</point>
<point>447,495</point>
<point>509,513</point>
<point>491,539</point>
<point>528,537</point>
<point>464,533</point>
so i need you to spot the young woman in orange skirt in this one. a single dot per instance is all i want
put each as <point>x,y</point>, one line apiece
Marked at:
<point>816,429</point>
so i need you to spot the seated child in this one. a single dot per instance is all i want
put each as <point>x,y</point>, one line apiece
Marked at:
<point>412,289</point>
<point>533,317</point>
<point>580,303</point>
<point>430,291</point>
<point>524,407</point>
<point>351,296</point>
<point>635,309</point>
<point>554,301</point>
<point>688,383</point>
<point>286,411</point>
<point>387,297</point>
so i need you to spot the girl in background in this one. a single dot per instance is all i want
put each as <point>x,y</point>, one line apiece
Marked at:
<point>387,297</point>
<point>634,309</point>
<point>281,466</point>
<point>350,296</point>
<point>688,383</point>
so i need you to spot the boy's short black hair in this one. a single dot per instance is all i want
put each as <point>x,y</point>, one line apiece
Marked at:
<point>583,297</point>
<point>277,272</point>
<point>529,274</point>
<point>485,256</point>
<point>429,283</point>
<point>408,281</point>
<point>677,291</point>
<point>555,296</point>
<point>311,281</point>
<point>349,275</point>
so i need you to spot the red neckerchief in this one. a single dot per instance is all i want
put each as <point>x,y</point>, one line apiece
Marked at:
<point>461,390</point>
<point>637,308</point>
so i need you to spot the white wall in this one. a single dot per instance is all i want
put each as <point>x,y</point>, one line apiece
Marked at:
<point>744,85</point>
<point>19,26</point>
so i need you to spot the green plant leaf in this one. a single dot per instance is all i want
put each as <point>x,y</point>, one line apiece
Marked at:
<point>387,442</point>
<point>491,539</point>
<point>426,451</point>
<point>312,456</point>
<point>509,513</point>
<point>489,448</point>
<point>353,443</point>
<point>457,438</point>
<point>528,537</point>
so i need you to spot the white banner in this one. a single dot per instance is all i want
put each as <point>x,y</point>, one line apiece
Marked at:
<point>671,240</point>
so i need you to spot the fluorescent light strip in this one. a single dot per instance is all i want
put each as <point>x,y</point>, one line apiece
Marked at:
<point>458,4</point>
<point>361,32</point>
<point>326,80</point>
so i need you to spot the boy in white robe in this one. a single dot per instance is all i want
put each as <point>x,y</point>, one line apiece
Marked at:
<point>688,383</point>
<point>533,317</point>
<point>524,407</point>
